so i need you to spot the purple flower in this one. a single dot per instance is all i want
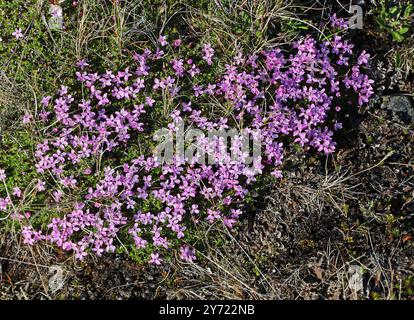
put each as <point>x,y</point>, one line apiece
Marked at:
<point>46,100</point>
<point>187,253</point>
<point>82,64</point>
<point>155,259</point>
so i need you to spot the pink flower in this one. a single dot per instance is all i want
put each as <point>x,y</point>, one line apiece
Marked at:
<point>17,192</point>
<point>213,215</point>
<point>363,58</point>
<point>40,186</point>
<point>45,101</point>
<point>18,34</point>
<point>155,259</point>
<point>194,209</point>
<point>57,195</point>
<point>208,53</point>
<point>277,174</point>
<point>229,223</point>
<point>163,41</point>
<point>149,101</point>
<point>177,42</point>
<point>27,118</point>
<point>2,174</point>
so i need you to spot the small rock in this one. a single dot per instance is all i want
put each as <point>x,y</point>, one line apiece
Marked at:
<point>401,108</point>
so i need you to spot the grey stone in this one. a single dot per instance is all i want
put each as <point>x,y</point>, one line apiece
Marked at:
<point>401,107</point>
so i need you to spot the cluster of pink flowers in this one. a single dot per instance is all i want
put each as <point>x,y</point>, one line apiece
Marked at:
<point>287,97</point>
<point>208,53</point>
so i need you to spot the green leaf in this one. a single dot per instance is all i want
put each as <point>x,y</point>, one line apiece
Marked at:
<point>393,10</point>
<point>403,30</point>
<point>381,22</point>
<point>398,60</point>
<point>396,36</point>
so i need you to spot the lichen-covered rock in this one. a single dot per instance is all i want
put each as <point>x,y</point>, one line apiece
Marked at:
<point>401,108</point>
